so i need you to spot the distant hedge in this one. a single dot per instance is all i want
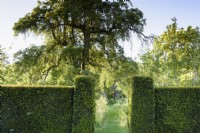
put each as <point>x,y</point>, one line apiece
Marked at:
<point>142,106</point>
<point>84,105</point>
<point>177,110</point>
<point>36,109</point>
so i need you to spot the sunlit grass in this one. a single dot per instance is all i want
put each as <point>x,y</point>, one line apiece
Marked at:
<point>115,118</point>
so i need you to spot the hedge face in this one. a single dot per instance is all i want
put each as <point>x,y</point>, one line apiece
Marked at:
<point>84,105</point>
<point>177,110</point>
<point>35,110</point>
<point>173,110</point>
<point>142,106</point>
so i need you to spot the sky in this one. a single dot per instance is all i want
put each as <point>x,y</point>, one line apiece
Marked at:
<point>158,14</point>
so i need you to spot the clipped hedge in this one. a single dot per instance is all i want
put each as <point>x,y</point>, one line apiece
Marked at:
<point>142,106</point>
<point>36,109</point>
<point>177,110</point>
<point>84,105</point>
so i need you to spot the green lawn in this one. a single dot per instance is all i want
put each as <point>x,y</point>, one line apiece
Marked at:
<point>115,119</point>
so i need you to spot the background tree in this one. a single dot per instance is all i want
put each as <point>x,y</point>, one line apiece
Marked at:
<point>117,79</point>
<point>1,78</point>
<point>33,64</point>
<point>3,62</point>
<point>175,56</point>
<point>85,25</point>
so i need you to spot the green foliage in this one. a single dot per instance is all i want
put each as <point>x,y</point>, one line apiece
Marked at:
<point>166,109</point>
<point>72,23</point>
<point>29,57</point>
<point>40,65</point>
<point>117,77</point>
<point>3,58</point>
<point>141,104</point>
<point>1,65</point>
<point>84,105</point>
<point>50,109</point>
<point>28,109</point>
<point>101,109</point>
<point>174,59</point>
<point>177,110</point>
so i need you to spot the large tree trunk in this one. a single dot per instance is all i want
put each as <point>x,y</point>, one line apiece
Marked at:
<point>85,52</point>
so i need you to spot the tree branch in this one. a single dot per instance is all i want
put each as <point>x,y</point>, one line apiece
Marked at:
<point>46,72</point>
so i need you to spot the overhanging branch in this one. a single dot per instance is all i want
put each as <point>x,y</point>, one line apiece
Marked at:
<point>46,72</point>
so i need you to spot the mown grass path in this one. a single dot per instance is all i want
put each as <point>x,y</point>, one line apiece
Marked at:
<point>114,121</point>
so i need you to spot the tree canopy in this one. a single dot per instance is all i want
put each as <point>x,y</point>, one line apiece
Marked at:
<point>3,62</point>
<point>84,25</point>
<point>175,55</point>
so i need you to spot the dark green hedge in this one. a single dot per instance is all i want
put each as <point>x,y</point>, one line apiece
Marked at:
<point>177,110</point>
<point>36,109</point>
<point>163,110</point>
<point>142,106</point>
<point>84,105</point>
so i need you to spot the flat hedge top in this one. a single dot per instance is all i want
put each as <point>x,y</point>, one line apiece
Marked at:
<point>181,87</point>
<point>35,87</point>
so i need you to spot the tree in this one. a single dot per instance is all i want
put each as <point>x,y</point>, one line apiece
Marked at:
<point>175,53</point>
<point>35,62</point>
<point>3,62</point>
<point>84,25</point>
<point>113,79</point>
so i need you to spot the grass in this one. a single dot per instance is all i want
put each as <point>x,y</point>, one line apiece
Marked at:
<point>115,119</point>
